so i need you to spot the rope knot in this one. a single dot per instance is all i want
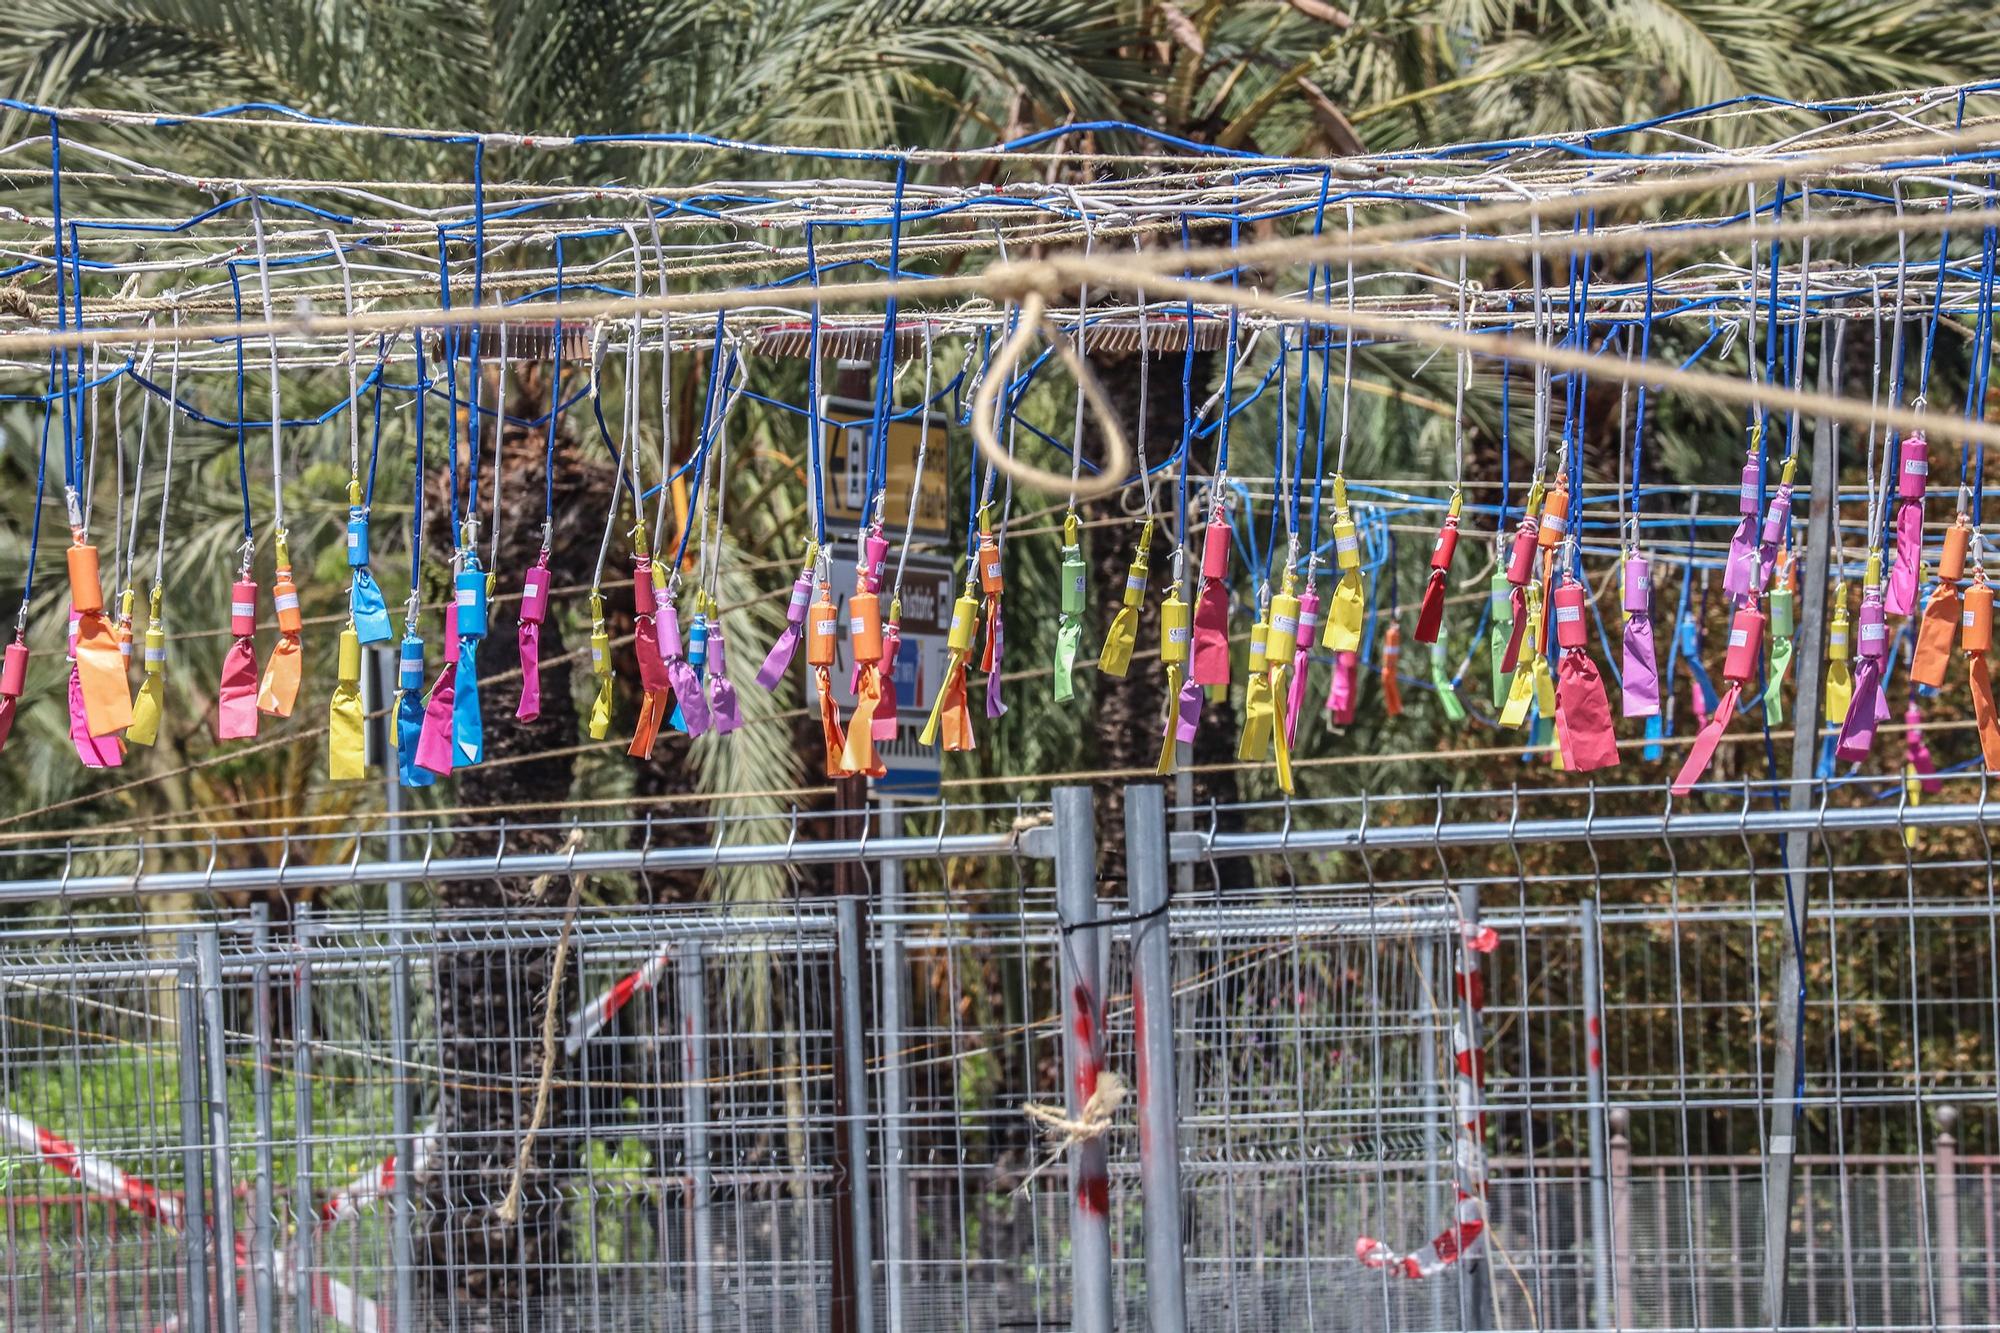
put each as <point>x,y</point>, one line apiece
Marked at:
<point>1061,1132</point>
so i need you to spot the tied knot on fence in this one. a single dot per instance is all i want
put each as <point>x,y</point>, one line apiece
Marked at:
<point>1063,1132</point>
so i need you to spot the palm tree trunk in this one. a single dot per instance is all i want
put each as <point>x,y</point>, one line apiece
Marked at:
<point>486,1273</point>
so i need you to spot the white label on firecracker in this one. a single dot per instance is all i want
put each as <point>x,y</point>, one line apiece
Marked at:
<point>1565,614</point>
<point>1738,637</point>
<point>242,608</point>
<point>1284,625</point>
<point>1917,467</point>
<point>1346,541</point>
<point>957,621</point>
<point>353,538</point>
<point>1871,633</point>
<point>800,596</point>
<point>1556,523</point>
<point>156,654</point>
<point>286,601</point>
<point>856,625</point>
<point>1135,583</point>
<point>993,569</point>
<point>824,627</point>
<point>1967,621</point>
<point>1839,636</point>
<point>468,596</point>
<point>1076,584</point>
<point>1179,634</point>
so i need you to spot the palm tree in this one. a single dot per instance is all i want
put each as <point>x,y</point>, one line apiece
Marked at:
<point>1302,76</point>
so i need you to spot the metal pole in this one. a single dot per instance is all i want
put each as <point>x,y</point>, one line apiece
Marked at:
<point>214,1038</point>
<point>1153,1017</point>
<point>1602,1242</point>
<point>852,1058</point>
<point>187,1024</point>
<point>304,1218</point>
<point>1787,1078</point>
<point>1951,1302</point>
<point>893,1015</point>
<point>694,1076</point>
<point>263,1269</point>
<point>1622,1298</point>
<point>1477,1270</point>
<point>402,1195</point>
<point>1083,1055</point>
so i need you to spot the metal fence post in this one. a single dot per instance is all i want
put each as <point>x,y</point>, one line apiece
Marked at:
<point>1153,1017</point>
<point>852,1059</point>
<point>1620,1156</point>
<point>1083,1055</point>
<point>402,1196</point>
<point>262,1223</point>
<point>1476,1273</point>
<point>1602,1242</point>
<point>1787,1080</point>
<point>1951,1312</point>
<point>694,1078</point>
<point>214,1038</point>
<point>304,1216</point>
<point>893,1014</point>
<point>193,1118</point>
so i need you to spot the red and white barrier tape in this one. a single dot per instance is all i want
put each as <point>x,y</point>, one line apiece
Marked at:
<point>1462,1238</point>
<point>336,1300</point>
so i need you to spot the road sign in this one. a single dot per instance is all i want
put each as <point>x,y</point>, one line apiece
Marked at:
<point>928,584</point>
<point>847,432</point>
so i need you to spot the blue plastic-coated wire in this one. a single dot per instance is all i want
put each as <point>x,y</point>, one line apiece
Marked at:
<point>816,439</point>
<point>1639,414</point>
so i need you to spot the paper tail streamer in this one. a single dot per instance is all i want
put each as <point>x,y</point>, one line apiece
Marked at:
<point>1069,637</point>
<point>1983,711</point>
<point>1498,603</point>
<point>409,731</point>
<point>779,660</point>
<point>681,675</point>
<point>1259,718</point>
<point>101,669</point>
<point>1295,692</point>
<point>1857,731</point>
<point>885,724</point>
<point>725,713</point>
<point>1739,573</point>
<point>1341,692</point>
<point>1702,752</point>
<point>1583,715</point>
<point>1936,633</point>
<point>1443,685</point>
<point>950,717</point>
<point>94,751</point>
<point>468,724</point>
<point>149,705</point>
<point>653,706</point>
<point>236,711</point>
<point>1517,628</point>
<point>528,635</point>
<point>995,651</point>
<point>368,609</point>
<point>434,747</point>
<point>858,747</point>
<point>1900,596</point>
<point>1170,734</point>
<point>282,671</point>
<point>1640,692</point>
<point>1774,681</point>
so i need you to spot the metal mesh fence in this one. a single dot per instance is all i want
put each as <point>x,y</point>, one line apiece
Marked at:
<point>226,1121</point>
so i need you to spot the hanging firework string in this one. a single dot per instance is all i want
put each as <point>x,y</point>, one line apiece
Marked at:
<point>1537,608</point>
